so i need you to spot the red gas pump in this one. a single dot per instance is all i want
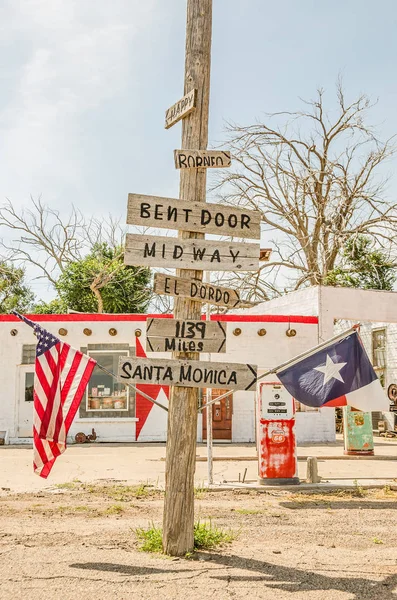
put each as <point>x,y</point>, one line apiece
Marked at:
<point>278,463</point>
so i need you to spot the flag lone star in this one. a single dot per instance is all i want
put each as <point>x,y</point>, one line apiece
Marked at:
<point>331,370</point>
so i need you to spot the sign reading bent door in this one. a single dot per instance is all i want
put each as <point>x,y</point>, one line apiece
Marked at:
<point>209,159</point>
<point>180,109</point>
<point>207,255</point>
<point>155,211</point>
<point>170,335</point>
<point>168,285</point>
<point>189,373</point>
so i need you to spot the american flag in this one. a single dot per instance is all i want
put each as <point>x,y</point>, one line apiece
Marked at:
<point>61,376</point>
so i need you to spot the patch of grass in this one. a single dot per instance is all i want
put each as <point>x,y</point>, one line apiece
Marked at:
<point>123,493</point>
<point>209,537</point>
<point>151,539</point>
<point>199,491</point>
<point>248,511</point>
<point>69,485</point>
<point>206,537</point>
<point>377,541</point>
<point>387,491</point>
<point>79,508</point>
<point>359,491</point>
<point>116,509</point>
<point>117,491</point>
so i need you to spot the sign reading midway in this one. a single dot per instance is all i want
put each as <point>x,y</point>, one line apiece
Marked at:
<point>169,285</point>
<point>174,253</point>
<point>155,211</point>
<point>180,109</point>
<point>192,373</point>
<point>209,159</point>
<point>176,335</point>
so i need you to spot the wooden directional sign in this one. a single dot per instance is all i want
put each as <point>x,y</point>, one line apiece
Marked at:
<point>168,285</point>
<point>192,373</point>
<point>209,159</point>
<point>170,335</point>
<point>180,109</point>
<point>157,251</point>
<point>155,211</point>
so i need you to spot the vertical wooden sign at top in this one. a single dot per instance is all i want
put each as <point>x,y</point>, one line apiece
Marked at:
<point>180,109</point>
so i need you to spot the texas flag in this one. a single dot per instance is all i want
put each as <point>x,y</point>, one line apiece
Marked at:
<point>339,374</point>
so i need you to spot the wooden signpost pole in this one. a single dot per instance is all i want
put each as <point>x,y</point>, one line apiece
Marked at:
<point>178,519</point>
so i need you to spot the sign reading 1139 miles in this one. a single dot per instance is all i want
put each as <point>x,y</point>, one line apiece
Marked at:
<point>177,335</point>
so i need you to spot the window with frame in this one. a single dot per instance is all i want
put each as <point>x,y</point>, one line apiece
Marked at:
<point>104,393</point>
<point>28,354</point>
<point>29,383</point>
<point>379,348</point>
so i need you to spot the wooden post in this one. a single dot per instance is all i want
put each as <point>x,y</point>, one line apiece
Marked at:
<point>312,470</point>
<point>178,519</point>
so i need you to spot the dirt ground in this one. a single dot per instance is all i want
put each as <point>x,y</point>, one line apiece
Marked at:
<point>78,540</point>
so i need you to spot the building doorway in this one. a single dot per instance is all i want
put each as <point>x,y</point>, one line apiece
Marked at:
<point>25,402</point>
<point>222,413</point>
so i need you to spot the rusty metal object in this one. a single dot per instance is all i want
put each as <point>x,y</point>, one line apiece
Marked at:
<point>92,437</point>
<point>82,438</point>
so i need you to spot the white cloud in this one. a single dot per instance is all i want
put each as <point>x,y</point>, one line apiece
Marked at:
<point>78,54</point>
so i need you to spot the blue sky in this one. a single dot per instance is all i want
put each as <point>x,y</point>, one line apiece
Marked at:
<point>85,84</point>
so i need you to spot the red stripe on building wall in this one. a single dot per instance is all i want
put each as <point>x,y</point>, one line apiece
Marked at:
<point>266,318</point>
<point>85,317</point>
<point>140,317</point>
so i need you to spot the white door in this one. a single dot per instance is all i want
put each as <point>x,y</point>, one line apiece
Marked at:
<point>25,402</point>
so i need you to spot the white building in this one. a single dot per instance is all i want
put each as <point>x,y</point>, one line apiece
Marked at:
<point>118,415</point>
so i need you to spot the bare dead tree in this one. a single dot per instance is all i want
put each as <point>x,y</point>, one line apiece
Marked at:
<point>43,238</point>
<point>40,237</point>
<point>315,178</point>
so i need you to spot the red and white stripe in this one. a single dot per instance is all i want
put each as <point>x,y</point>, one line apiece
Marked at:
<point>61,376</point>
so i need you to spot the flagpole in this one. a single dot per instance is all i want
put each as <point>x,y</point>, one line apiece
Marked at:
<point>31,324</point>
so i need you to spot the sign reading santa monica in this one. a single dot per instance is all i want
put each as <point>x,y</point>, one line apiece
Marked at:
<point>231,376</point>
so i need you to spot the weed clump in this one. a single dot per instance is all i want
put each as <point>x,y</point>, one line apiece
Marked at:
<point>206,537</point>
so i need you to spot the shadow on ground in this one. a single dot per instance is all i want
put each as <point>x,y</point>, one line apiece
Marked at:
<point>352,504</point>
<point>278,577</point>
<point>124,569</point>
<point>295,580</point>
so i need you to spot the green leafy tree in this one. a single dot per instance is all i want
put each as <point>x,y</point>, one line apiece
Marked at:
<point>14,293</point>
<point>363,267</point>
<point>101,282</point>
<point>53,307</point>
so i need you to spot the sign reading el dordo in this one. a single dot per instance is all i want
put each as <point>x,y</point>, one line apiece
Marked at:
<point>177,335</point>
<point>168,285</point>
<point>229,376</point>
<point>180,109</point>
<point>209,159</point>
<point>155,211</point>
<point>174,253</point>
